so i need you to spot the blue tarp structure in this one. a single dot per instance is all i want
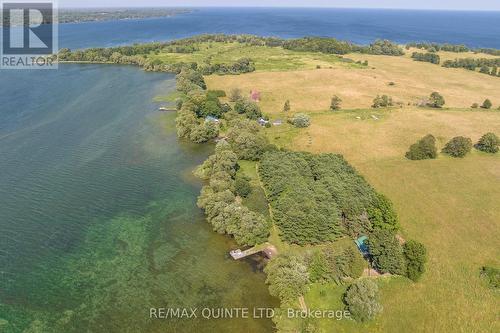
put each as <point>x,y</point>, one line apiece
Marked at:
<point>361,244</point>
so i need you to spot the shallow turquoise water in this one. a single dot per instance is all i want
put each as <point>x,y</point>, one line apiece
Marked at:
<point>98,220</point>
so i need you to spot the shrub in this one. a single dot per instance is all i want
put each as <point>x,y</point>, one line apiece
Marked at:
<point>488,143</point>
<point>216,93</point>
<point>286,106</point>
<point>382,101</point>
<point>458,146</point>
<point>474,105</point>
<point>335,103</point>
<point>491,275</point>
<point>242,186</point>
<point>436,100</point>
<point>386,252</point>
<point>235,95</point>
<point>487,104</point>
<point>362,300</point>
<point>425,148</point>
<point>416,257</point>
<point>301,120</point>
<point>287,277</point>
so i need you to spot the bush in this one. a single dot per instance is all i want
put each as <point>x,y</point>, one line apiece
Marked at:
<point>425,148</point>
<point>216,93</point>
<point>487,104</point>
<point>382,101</point>
<point>235,95</point>
<point>416,257</point>
<point>335,103</point>
<point>287,277</point>
<point>491,275</point>
<point>242,186</point>
<point>362,300</point>
<point>474,105</point>
<point>488,143</point>
<point>436,100</point>
<point>386,252</point>
<point>301,120</point>
<point>458,146</point>
<point>286,106</point>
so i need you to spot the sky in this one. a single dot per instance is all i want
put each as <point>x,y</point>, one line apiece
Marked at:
<point>401,4</point>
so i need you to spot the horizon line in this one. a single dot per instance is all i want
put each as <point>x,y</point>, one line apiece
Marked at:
<point>283,7</point>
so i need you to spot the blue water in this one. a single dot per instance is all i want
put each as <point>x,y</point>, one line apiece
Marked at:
<point>362,26</point>
<point>98,216</point>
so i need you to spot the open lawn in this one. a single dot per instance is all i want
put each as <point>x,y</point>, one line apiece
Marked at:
<point>450,205</point>
<point>311,90</point>
<point>265,58</point>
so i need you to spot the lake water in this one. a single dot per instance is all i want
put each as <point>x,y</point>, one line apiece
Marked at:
<point>362,26</point>
<point>98,209</point>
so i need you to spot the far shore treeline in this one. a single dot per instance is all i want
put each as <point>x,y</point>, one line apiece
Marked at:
<point>144,55</point>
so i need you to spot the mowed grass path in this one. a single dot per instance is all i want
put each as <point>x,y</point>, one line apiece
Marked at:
<point>312,90</point>
<point>450,205</point>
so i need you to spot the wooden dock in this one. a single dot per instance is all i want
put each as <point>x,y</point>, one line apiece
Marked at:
<point>267,248</point>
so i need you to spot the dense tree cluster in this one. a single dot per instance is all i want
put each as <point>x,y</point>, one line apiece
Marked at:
<point>334,46</point>
<point>386,252</point>
<point>316,198</point>
<point>246,139</point>
<point>426,57</point>
<point>425,148</point>
<point>489,143</point>
<point>243,65</point>
<point>249,108</point>
<point>287,277</point>
<point>218,199</point>
<point>458,146</point>
<point>362,300</point>
<point>435,47</point>
<point>382,101</point>
<point>485,65</point>
<point>197,104</point>
<point>327,265</point>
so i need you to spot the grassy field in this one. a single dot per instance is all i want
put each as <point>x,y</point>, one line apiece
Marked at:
<point>311,90</point>
<point>450,205</point>
<point>265,58</point>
